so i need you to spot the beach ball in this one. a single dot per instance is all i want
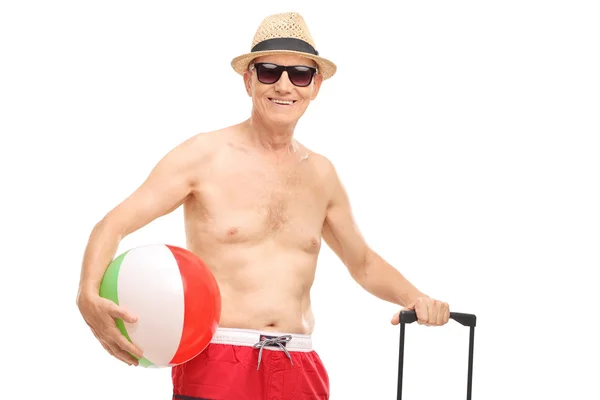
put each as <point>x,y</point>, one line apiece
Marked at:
<point>175,297</point>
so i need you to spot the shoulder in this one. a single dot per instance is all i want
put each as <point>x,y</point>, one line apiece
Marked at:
<point>327,175</point>
<point>199,148</point>
<point>323,166</point>
<point>188,160</point>
<point>205,142</point>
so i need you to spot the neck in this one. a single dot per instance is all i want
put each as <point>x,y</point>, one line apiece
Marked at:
<point>269,136</point>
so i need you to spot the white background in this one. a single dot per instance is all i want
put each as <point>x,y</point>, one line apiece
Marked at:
<point>466,133</point>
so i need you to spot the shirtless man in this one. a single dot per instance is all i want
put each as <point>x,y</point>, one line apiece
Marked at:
<point>256,205</point>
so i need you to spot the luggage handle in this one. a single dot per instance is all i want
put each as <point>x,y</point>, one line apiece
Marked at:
<point>410,316</point>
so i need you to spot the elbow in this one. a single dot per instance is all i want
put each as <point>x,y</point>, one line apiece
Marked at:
<point>108,227</point>
<point>360,269</point>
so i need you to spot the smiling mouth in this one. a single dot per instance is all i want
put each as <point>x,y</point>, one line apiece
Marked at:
<point>282,102</point>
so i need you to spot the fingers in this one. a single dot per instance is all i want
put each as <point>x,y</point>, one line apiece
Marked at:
<point>443,314</point>
<point>431,312</point>
<point>124,356</point>
<point>116,311</point>
<point>422,310</point>
<point>439,319</point>
<point>127,346</point>
<point>120,354</point>
<point>118,339</point>
<point>104,328</point>
<point>434,310</point>
<point>121,348</point>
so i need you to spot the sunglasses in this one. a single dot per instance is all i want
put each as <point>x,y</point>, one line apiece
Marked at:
<point>299,75</point>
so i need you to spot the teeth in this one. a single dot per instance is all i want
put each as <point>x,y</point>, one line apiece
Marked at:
<point>286,102</point>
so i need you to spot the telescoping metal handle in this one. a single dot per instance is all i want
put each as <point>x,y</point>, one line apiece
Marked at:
<point>410,316</point>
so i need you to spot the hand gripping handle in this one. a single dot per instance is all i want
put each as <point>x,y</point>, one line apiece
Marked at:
<point>410,316</point>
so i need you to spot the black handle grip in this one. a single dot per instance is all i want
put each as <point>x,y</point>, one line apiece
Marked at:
<point>410,316</point>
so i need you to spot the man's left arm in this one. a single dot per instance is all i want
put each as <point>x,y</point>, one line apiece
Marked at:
<point>368,268</point>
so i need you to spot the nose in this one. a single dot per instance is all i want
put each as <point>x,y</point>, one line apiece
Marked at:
<point>284,85</point>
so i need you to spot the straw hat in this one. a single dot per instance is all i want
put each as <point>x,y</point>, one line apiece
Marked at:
<point>284,33</point>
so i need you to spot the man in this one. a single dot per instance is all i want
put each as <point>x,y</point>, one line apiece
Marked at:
<point>256,205</point>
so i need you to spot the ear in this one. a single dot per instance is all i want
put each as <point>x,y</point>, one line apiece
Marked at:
<point>318,80</point>
<point>248,82</point>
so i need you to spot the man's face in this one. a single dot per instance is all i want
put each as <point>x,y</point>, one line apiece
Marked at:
<point>282,102</point>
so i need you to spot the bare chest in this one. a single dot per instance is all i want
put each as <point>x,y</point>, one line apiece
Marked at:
<point>249,203</point>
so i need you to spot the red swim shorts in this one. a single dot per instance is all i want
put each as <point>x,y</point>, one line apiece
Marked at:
<point>253,365</point>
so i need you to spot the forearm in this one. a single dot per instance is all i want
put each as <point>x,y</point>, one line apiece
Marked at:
<point>100,250</point>
<point>384,281</point>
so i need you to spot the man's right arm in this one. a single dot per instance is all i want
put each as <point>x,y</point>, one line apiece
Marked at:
<point>168,185</point>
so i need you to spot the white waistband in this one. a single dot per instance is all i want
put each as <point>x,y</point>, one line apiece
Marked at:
<point>249,337</point>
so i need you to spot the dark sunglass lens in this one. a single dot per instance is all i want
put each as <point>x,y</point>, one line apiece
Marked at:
<point>300,76</point>
<point>268,73</point>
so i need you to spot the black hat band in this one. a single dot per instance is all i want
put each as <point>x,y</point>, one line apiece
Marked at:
<point>290,44</point>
